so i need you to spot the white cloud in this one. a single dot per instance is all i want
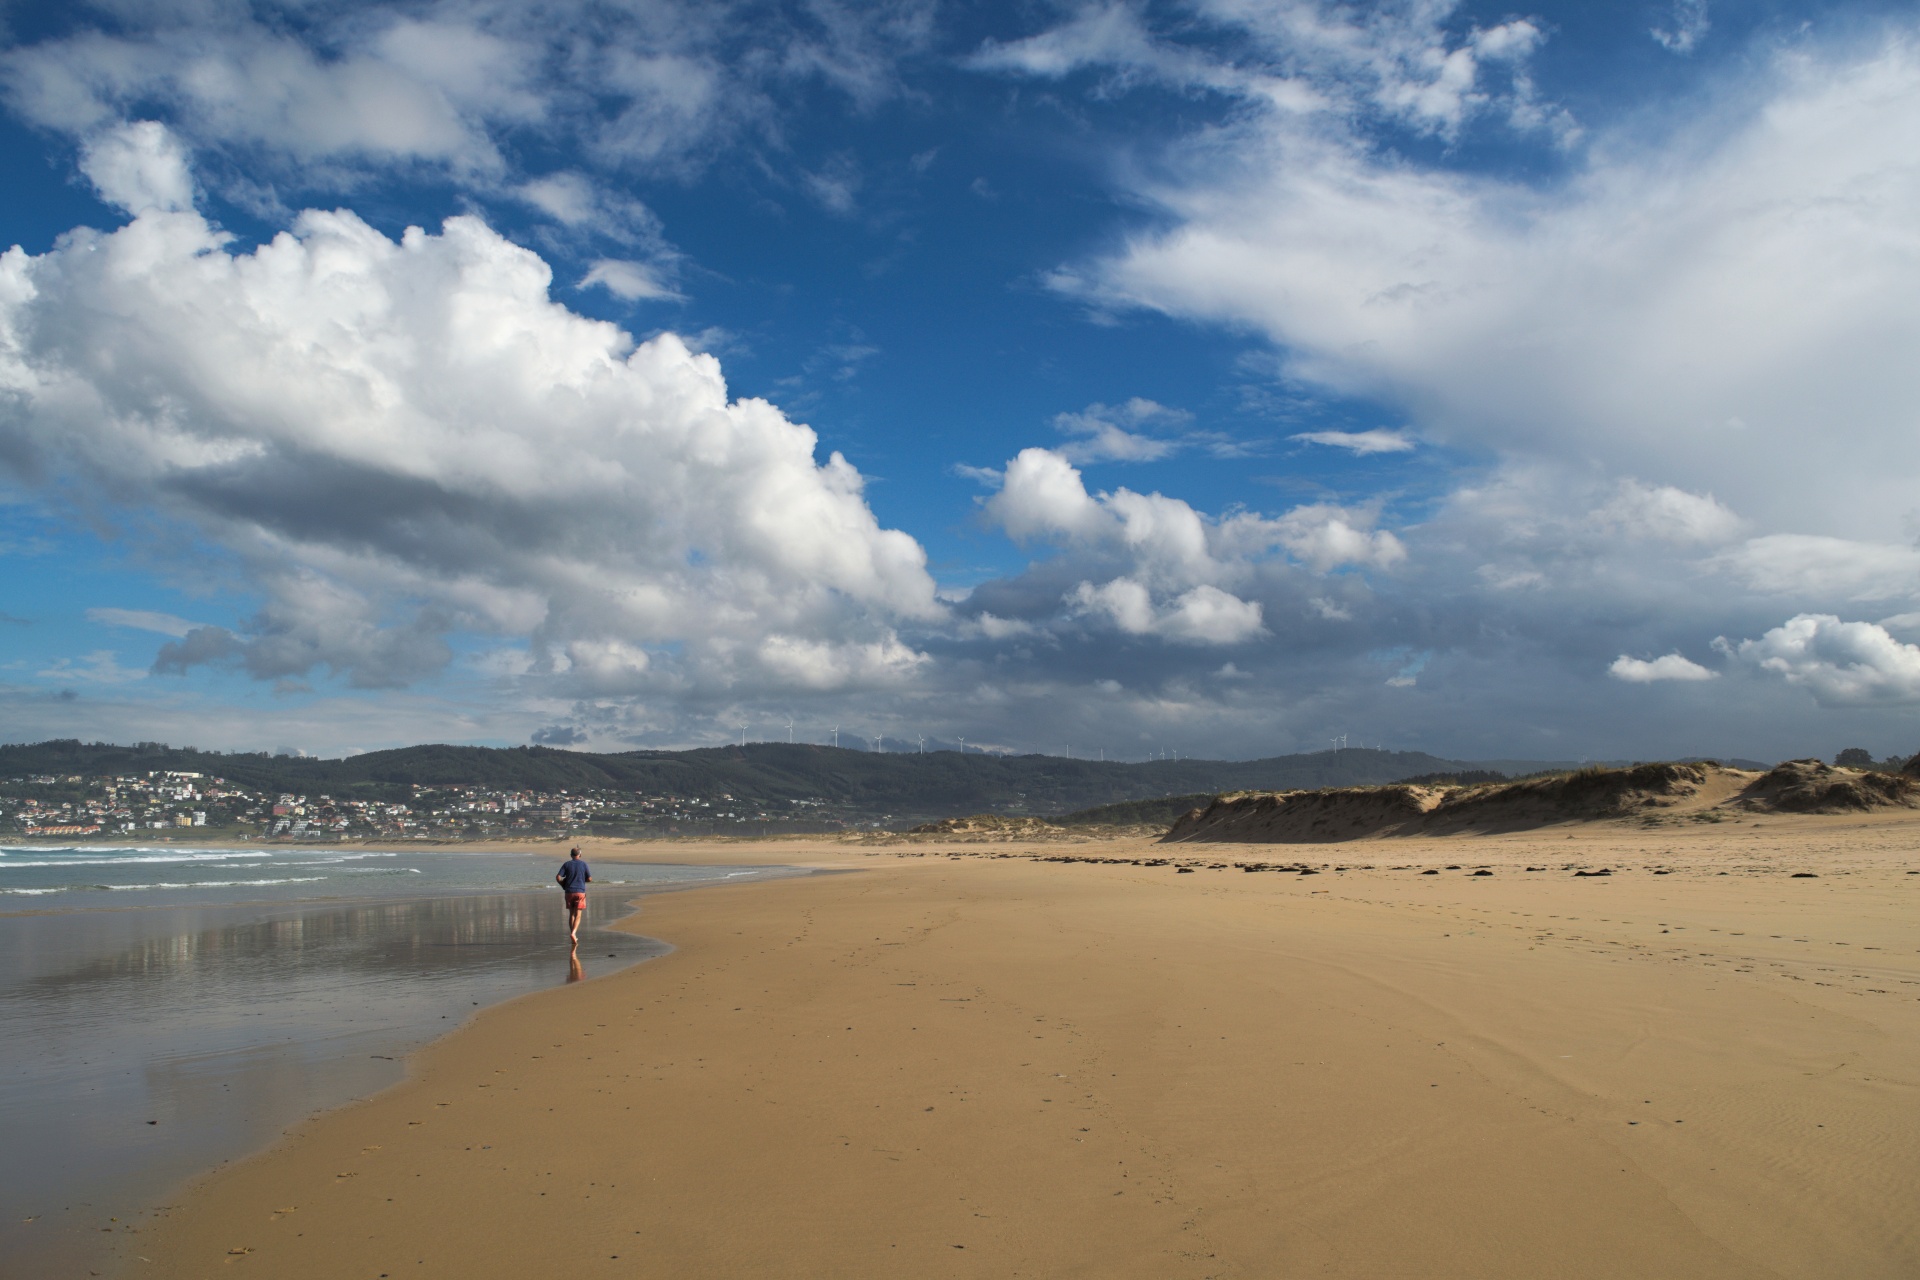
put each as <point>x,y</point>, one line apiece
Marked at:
<point>1299,58</point>
<point>399,439</point>
<point>836,186</point>
<point>571,199</point>
<point>99,667</point>
<point>997,628</point>
<point>1842,664</point>
<point>1687,357</point>
<point>1667,514</point>
<point>1324,537</point>
<point>814,664</point>
<point>1362,443</point>
<point>1208,615</point>
<point>1201,615</point>
<point>1671,667</point>
<point>1825,568</point>
<point>243,84</point>
<point>1126,603</point>
<point>1042,496</point>
<point>587,218</point>
<point>1506,578</point>
<point>313,97</point>
<point>142,620</point>
<point>1099,35</point>
<point>1751,266</point>
<point>1113,433</point>
<point>592,210</point>
<point>1151,565</point>
<point>138,167</point>
<point>628,281</point>
<point>1690,27</point>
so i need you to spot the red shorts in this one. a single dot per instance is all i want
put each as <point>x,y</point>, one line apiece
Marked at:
<point>576,902</point>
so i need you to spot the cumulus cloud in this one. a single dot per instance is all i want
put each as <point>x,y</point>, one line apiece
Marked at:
<point>1671,667</point>
<point>138,167</point>
<point>1842,664</point>
<point>396,439</point>
<point>1118,433</point>
<point>1153,565</point>
<point>1201,615</point>
<point>1321,536</point>
<point>1042,495</point>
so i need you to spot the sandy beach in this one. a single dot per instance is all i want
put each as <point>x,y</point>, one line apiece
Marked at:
<point>965,1060</point>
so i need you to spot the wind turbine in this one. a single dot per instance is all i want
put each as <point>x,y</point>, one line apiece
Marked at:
<point>963,746</point>
<point>789,730</point>
<point>923,744</point>
<point>743,735</point>
<point>836,735</point>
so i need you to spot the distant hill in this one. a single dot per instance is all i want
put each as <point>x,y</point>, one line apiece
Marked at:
<point>850,785</point>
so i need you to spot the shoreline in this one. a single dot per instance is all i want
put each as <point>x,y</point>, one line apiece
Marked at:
<point>369,896</point>
<point>352,1036</point>
<point>968,1063</point>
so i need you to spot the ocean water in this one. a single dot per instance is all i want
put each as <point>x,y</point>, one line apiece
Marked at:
<point>123,875</point>
<point>166,1009</point>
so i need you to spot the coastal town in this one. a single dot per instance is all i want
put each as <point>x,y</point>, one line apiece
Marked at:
<point>170,804</point>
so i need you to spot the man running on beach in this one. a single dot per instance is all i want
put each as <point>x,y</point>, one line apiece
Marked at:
<point>573,879</point>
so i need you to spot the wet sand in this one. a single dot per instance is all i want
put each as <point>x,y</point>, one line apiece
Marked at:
<point>958,1062</point>
<point>146,1044</point>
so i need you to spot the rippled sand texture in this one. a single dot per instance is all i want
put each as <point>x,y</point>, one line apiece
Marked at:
<point>983,1065</point>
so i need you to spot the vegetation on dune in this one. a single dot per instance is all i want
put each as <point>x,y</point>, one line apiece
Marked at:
<point>1458,778</point>
<point>1160,811</point>
<point>1649,793</point>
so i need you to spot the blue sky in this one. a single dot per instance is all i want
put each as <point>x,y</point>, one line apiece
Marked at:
<point>1212,377</point>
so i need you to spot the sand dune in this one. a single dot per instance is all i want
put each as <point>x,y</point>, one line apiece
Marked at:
<point>1809,786</point>
<point>1648,793</point>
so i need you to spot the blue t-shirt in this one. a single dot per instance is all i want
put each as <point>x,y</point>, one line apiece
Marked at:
<point>574,876</point>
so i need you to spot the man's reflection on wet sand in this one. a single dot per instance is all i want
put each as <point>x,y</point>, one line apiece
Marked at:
<point>145,1046</point>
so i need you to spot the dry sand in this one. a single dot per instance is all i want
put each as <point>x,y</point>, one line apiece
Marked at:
<point>988,1065</point>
